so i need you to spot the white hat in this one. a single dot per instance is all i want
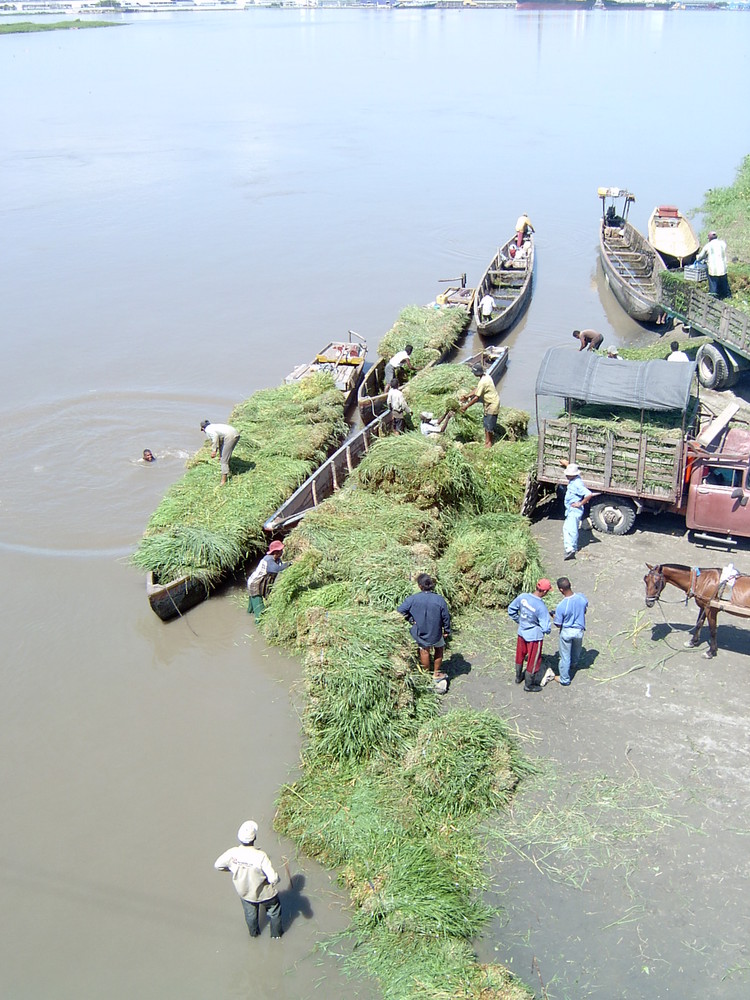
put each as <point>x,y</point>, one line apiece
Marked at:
<point>247,832</point>
<point>426,415</point>
<point>572,470</point>
<point>611,349</point>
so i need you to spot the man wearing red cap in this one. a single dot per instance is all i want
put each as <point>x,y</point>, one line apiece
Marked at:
<point>260,580</point>
<point>534,622</point>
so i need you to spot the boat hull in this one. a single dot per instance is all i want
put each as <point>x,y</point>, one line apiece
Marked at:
<point>631,268</point>
<point>494,361</point>
<point>345,361</point>
<point>172,599</point>
<point>672,236</point>
<point>510,284</point>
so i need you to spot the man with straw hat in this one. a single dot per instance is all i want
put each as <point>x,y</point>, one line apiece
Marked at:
<point>577,495</point>
<point>261,579</point>
<point>254,879</point>
<point>532,616</point>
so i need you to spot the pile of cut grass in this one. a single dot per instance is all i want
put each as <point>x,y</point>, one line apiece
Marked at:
<point>427,472</point>
<point>204,530</point>
<point>431,332</point>
<point>503,471</point>
<point>656,423</point>
<point>662,349</point>
<point>489,560</point>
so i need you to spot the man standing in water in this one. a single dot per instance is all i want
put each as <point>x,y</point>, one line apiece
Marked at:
<point>577,495</point>
<point>431,624</point>
<point>590,340</point>
<point>254,878</point>
<point>223,440</point>
<point>531,613</point>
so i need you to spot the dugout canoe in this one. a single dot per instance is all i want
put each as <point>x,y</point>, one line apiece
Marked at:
<point>327,479</point>
<point>344,360</point>
<point>508,279</point>
<point>631,265</point>
<point>172,599</point>
<point>494,361</point>
<point>672,236</point>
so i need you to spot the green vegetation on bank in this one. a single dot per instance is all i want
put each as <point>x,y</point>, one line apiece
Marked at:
<point>727,211</point>
<point>392,790</point>
<point>204,530</point>
<point>24,27</point>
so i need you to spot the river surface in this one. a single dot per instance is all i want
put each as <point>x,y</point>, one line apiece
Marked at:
<point>191,205</point>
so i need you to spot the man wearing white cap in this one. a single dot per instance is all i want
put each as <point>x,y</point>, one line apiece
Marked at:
<point>254,879</point>
<point>577,495</point>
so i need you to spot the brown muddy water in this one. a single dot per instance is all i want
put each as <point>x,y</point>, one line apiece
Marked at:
<point>193,204</point>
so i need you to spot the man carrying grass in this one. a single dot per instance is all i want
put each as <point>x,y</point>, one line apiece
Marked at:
<point>486,394</point>
<point>431,624</point>
<point>223,437</point>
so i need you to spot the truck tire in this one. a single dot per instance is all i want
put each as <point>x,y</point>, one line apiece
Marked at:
<point>612,515</point>
<point>714,370</point>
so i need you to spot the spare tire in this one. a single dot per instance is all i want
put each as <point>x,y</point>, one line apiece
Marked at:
<point>612,515</point>
<point>714,370</point>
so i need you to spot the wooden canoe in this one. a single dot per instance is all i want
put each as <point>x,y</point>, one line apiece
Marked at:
<point>671,234</point>
<point>508,280</point>
<point>456,297</point>
<point>324,482</point>
<point>169,600</point>
<point>345,360</point>
<point>631,269</point>
<point>494,361</point>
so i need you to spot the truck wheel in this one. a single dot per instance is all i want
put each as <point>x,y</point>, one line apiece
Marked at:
<point>613,515</point>
<point>714,371</point>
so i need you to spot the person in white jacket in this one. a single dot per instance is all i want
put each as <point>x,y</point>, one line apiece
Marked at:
<point>254,878</point>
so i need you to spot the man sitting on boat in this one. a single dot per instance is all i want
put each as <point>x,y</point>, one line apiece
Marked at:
<point>261,579</point>
<point>402,359</point>
<point>431,427</point>
<point>486,305</point>
<point>398,406</point>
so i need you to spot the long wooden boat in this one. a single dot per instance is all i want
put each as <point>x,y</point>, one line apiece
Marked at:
<point>174,598</point>
<point>494,361</point>
<point>328,478</point>
<point>345,360</point>
<point>671,234</point>
<point>631,265</point>
<point>508,280</point>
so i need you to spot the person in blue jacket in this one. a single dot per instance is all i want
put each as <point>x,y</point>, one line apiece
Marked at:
<point>570,618</point>
<point>431,624</point>
<point>534,622</point>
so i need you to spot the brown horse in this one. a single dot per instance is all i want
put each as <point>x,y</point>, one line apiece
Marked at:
<point>703,586</point>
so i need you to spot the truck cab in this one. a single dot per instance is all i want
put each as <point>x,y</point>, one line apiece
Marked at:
<point>719,488</point>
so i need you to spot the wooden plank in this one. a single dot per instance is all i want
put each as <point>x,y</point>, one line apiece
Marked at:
<point>734,609</point>
<point>718,424</point>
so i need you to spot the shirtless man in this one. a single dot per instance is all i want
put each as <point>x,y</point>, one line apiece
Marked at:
<point>590,339</point>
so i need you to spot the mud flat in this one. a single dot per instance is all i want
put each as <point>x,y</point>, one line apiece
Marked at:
<point>623,870</point>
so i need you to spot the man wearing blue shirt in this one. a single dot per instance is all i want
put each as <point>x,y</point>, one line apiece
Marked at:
<point>431,624</point>
<point>570,618</point>
<point>577,495</point>
<point>530,611</point>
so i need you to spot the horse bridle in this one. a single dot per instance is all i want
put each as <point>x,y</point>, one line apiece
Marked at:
<point>660,582</point>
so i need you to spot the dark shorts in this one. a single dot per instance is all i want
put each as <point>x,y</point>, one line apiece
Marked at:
<point>531,648</point>
<point>490,422</point>
<point>440,644</point>
<point>398,421</point>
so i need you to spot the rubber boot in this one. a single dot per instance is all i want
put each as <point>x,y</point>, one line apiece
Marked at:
<point>532,684</point>
<point>519,673</point>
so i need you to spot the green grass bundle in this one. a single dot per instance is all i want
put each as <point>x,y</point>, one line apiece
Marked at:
<point>422,471</point>
<point>489,560</point>
<point>462,762</point>
<point>431,332</point>
<point>503,471</point>
<point>363,696</point>
<point>662,348</point>
<point>656,423</point>
<point>203,529</point>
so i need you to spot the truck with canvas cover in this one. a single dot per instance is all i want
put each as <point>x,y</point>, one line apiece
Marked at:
<point>643,442</point>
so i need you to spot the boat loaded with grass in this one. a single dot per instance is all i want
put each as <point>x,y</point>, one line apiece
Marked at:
<point>392,790</point>
<point>433,333</point>
<point>202,532</point>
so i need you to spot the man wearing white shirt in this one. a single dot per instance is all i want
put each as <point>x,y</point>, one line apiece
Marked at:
<point>715,255</point>
<point>223,437</point>
<point>254,879</point>
<point>677,354</point>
